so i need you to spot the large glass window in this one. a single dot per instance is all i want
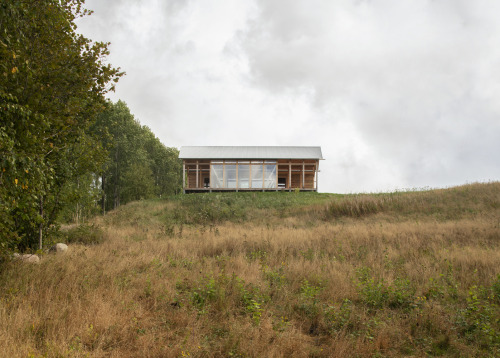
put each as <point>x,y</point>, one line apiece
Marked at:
<point>244,176</point>
<point>217,176</point>
<point>270,176</point>
<point>257,176</point>
<point>230,176</point>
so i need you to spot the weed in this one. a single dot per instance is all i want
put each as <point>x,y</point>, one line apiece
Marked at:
<point>377,294</point>
<point>495,289</point>
<point>204,294</point>
<point>257,255</point>
<point>479,321</point>
<point>440,346</point>
<point>308,254</point>
<point>276,278</point>
<point>168,229</point>
<point>86,234</point>
<point>251,299</point>
<point>373,292</point>
<point>337,318</point>
<point>148,289</point>
<point>402,294</point>
<point>308,300</point>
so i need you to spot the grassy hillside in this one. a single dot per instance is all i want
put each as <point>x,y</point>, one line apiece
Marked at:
<point>268,275</point>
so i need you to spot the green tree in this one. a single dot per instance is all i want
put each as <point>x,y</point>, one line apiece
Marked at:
<point>139,166</point>
<point>52,87</point>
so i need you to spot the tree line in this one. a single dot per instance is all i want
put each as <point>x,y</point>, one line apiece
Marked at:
<point>65,151</point>
<point>136,166</point>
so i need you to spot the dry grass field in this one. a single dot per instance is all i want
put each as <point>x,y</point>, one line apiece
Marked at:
<point>268,275</point>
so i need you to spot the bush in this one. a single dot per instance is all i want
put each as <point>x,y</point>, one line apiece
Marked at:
<point>377,294</point>
<point>495,288</point>
<point>338,318</point>
<point>479,322</point>
<point>85,234</point>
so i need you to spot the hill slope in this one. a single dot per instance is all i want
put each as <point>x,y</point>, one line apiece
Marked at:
<point>268,274</point>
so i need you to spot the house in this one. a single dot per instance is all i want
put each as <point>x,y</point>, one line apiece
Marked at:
<point>250,168</point>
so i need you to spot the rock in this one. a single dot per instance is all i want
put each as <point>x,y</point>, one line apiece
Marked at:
<point>59,248</point>
<point>33,259</point>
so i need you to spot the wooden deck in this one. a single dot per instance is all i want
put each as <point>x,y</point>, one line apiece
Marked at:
<point>222,190</point>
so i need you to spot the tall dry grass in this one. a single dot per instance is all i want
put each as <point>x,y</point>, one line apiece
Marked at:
<point>296,283</point>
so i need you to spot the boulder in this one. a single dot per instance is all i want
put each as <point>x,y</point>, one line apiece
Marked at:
<point>33,259</point>
<point>59,248</point>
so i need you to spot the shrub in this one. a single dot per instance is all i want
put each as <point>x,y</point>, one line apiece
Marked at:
<point>377,294</point>
<point>85,234</point>
<point>479,321</point>
<point>205,293</point>
<point>251,299</point>
<point>495,288</point>
<point>402,294</point>
<point>309,299</point>
<point>338,318</point>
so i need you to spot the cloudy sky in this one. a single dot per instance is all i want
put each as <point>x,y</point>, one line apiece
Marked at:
<point>399,94</point>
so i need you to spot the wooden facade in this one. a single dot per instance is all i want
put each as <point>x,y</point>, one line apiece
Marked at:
<point>257,174</point>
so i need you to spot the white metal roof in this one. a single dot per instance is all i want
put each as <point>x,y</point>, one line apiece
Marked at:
<point>250,152</point>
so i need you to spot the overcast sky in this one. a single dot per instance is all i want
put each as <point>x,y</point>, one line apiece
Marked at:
<point>398,94</point>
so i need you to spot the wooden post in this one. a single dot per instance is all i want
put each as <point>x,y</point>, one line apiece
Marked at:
<point>289,174</point>
<point>184,176</point>
<point>210,174</point>
<point>224,174</point>
<point>303,175</point>
<point>277,171</point>
<point>197,180</point>
<point>237,179</point>
<point>263,175</point>
<point>316,176</point>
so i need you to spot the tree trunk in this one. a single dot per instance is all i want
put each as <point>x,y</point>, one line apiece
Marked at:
<point>77,204</point>
<point>40,228</point>
<point>116,202</point>
<point>103,202</point>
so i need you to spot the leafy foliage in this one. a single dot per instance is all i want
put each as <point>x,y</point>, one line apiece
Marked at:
<point>63,147</point>
<point>138,165</point>
<point>52,82</point>
<point>84,234</point>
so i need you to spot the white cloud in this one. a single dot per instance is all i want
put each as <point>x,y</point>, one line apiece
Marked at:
<point>398,94</point>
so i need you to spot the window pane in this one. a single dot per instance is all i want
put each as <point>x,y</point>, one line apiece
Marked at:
<point>217,176</point>
<point>270,176</point>
<point>243,176</point>
<point>230,177</point>
<point>256,176</point>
